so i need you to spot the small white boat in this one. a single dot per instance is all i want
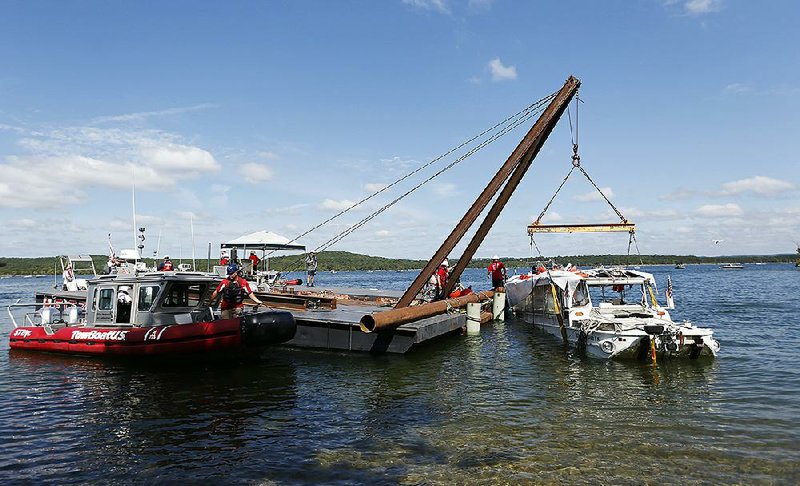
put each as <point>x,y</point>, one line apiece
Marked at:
<point>732,266</point>
<point>680,266</point>
<point>608,312</point>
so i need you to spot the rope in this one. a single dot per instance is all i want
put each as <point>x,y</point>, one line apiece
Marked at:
<point>525,112</point>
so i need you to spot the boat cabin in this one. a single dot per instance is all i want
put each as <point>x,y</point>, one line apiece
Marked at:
<point>150,299</point>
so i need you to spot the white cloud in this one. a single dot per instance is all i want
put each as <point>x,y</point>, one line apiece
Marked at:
<point>737,89</point>
<point>445,190</point>
<point>760,185</point>
<point>719,210</point>
<point>23,223</point>
<point>141,116</point>
<point>255,173</point>
<point>64,163</point>
<point>595,196</point>
<point>501,72</point>
<point>179,158</point>
<point>551,217</point>
<point>332,205</point>
<point>374,186</point>
<point>268,155</point>
<point>699,7</point>
<point>382,233</point>
<point>437,5</point>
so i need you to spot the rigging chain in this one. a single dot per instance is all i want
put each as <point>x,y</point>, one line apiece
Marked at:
<point>522,117</point>
<point>525,112</point>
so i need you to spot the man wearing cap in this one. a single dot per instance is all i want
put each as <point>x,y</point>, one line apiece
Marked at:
<point>233,290</point>
<point>497,272</point>
<point>166,265</point>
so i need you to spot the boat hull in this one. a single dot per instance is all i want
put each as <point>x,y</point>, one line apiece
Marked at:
<point>248,332</point>
<point>631,344</point>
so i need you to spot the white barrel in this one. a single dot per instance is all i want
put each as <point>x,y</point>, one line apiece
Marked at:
<point>50,315</point>
<point>73,315</point>
<point>473,318</point>
<point>499,306</point>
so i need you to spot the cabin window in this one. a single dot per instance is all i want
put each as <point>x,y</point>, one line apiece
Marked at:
<point>105,301</point>
<point>543,299</point>
<point>539,293</point>
<point>180,294</point>
<point>581,296</point>
<point>549,304</point>
<point>147,295</point>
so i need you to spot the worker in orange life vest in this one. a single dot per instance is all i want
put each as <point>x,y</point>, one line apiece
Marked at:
<point>166,265</point>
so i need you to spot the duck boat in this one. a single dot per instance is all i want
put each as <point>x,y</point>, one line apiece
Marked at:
<point>147,314</point>
<point>608,313</point>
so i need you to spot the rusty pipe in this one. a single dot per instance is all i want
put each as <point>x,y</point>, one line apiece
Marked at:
<point>381,321</point>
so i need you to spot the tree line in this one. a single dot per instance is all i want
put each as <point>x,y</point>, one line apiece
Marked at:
<point>347,261</point>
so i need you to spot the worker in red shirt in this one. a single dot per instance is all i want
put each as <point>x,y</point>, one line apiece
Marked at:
<point>497,272</point>
<point>233,289</point>
<point>441,279</point>
<point>255,260</point>
<point>166,265</point>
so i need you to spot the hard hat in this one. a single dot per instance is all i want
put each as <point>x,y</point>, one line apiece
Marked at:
<point>445,262</point>
<point>125,289</point>
<point>166,257</point>
<point>232,268</point>
<point>495,257</point>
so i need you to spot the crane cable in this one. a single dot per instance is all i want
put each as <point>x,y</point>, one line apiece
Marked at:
<point>511,122</point>
<point>525,113</point>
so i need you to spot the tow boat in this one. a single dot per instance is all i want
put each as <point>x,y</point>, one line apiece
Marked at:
<point>147,314</point>
<point>608,313</point>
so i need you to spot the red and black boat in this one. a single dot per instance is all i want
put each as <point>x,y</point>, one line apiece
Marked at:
<point>157,313</point>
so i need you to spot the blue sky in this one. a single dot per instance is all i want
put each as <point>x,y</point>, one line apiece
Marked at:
<point>242,116</point>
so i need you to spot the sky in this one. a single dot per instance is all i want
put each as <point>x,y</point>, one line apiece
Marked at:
<point>238,116</point>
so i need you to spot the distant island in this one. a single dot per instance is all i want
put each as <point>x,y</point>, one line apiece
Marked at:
<point>344,261</point>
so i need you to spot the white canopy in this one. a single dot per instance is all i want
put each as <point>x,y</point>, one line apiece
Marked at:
<point>263,240</point>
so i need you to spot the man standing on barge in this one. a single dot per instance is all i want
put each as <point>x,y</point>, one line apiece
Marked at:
<point>311,268</point>
<point>497,272</point>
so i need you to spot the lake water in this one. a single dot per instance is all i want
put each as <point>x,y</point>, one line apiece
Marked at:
<point>509,406</point>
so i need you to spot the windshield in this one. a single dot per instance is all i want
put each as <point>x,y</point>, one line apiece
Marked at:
<point>184,294</point>
<point>618,294</point>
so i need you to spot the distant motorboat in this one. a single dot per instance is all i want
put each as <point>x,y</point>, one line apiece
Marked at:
<point>732,266</point>
<point>680,266</point>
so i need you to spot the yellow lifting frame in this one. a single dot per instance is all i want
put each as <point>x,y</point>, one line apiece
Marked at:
<point>581,228</point>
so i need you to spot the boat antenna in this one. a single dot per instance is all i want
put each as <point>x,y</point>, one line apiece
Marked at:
<point>191,226</point>
<point>158,245</point>
<point>133,202</point>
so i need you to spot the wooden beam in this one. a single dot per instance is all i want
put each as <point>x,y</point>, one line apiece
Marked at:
<point>581,228</point>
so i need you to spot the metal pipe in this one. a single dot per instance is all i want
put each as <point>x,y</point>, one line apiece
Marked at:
<point>381,321</point>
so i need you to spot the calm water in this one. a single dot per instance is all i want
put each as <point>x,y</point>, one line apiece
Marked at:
<point>508,406</point>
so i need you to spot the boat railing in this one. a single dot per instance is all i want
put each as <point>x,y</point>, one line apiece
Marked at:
<point>37,317</point>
